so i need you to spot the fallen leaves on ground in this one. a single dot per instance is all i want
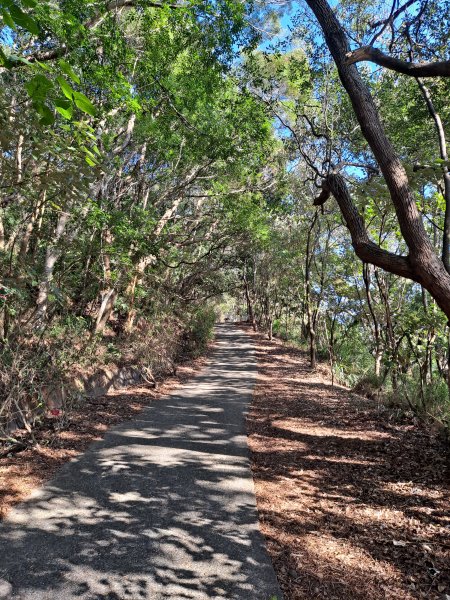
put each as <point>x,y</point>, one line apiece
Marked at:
<point>353,499</point>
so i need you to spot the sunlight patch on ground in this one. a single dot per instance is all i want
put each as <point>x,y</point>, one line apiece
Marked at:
<point>294,426</point>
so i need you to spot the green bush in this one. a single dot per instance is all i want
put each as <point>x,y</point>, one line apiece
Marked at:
<point>199,331</point>
<point>432,399</point>
<point>354,360</point>
<point>369,385</point>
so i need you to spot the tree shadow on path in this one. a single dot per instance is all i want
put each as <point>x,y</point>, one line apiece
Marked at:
<point>163,507</point>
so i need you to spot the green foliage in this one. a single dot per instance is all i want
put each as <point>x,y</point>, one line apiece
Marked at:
<point>354,358</point>
<point>369,385</point>
<point>14,16</point>
<point>200,331</point>
<point>157,160</point>
<point>430,400</point>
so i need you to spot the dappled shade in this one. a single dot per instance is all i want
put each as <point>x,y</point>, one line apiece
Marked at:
<point>354,500</point>
<point>162,508</point>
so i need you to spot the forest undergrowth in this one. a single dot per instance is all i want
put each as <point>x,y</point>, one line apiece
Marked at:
<point>42,375</point>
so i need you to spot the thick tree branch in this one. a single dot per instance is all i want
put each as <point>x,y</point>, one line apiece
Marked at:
<point>364,247</point>
<point>425,266</point>
<point>428,69</point>
<point>45,55</point>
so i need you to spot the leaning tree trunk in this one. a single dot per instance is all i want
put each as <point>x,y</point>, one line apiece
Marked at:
<point>108,293</point>
<point>130,293</point>
<point>106,308</point>
<point>422,264</point>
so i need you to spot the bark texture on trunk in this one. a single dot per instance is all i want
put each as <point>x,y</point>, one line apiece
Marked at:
<point>51,256</point>
<point>376,325</point>
<point>108,293</point>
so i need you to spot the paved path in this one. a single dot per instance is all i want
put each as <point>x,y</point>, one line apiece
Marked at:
<point>162,508</point>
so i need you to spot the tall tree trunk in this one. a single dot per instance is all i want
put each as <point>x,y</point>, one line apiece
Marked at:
<point>446,174</point>
<point>51,256</point>
<point>108,293</point>
<point>394,345</point>
<point>106,308</point>
<point>376,325</point>
<point>24,242</point>
<point>251,313</point>
<point>310,329</point>
<point>131,290</point>
<point>448,359</point>
<point>312,347</point>
<point>270,328</point>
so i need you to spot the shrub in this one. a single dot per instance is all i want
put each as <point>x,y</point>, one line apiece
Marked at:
<point>432,399</point>
<point>27,373</point>
<point>369,385</point>
<point>199,331</point>
<point>154,346</point>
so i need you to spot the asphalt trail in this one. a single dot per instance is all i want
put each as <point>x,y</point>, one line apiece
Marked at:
<point>163,507</point>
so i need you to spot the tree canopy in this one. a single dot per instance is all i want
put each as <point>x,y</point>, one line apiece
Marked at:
<point>281,163</point>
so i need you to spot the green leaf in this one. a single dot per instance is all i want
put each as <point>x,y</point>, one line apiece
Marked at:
<point>88,153</point>
<point>67,69</point>
<point>66,88</point>
<point>43,66</point>
<point>23,19</point>
<point>47,116</point>
<point>91,135</point>
<point>84,104</point>
<point>90,162</point>
<point>15,57</point>
<point>7,19</point>
<point>64,107</point>
<point>38,87</point>
<point>4,60</point>
<point>29,3</point>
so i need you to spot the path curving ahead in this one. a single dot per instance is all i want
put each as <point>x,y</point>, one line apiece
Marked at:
<point>162,508</point>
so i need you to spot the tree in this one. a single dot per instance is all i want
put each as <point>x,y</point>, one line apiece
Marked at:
<point>421,264</point>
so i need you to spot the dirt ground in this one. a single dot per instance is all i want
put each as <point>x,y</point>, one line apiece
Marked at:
<point>59,440</point>
<point>353,499</point>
